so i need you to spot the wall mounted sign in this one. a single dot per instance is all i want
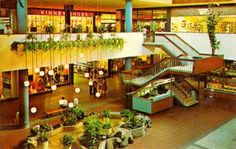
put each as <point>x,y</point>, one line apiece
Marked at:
<point>58,12</point>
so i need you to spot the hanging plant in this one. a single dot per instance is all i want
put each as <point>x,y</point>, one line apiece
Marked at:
<point>32,44</point>
<point>212,20</point>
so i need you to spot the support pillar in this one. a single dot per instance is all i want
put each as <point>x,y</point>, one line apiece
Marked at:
<point>71,74</point>
<point>128,63</point>
<point>67,9</point>
<point>128,16</point>
<point>23,99</point>
<point>168,24</point>
<point>14,84</point>
<point>22,16</point>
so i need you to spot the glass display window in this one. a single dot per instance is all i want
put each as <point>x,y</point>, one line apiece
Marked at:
<point>36,23</point>
<point>227,24</point>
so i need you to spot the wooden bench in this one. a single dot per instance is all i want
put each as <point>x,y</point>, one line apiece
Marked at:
<point>53,112</point>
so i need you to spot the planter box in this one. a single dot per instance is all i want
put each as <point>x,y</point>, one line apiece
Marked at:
<point>138,132</point>
<point>73,128</point>
<point>156,104</point>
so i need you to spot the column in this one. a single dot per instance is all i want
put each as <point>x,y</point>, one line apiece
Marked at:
<point>14,84</point>
<point>71,74</point>
<point>168,21</point>
<point>67,9</point>
<point>128,63</point>
<point>110,67</point>
<point>23,99</point>
<point>128,16</point>
<point>22,16</point>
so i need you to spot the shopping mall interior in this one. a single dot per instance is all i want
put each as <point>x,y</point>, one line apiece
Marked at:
<point>101,74</point>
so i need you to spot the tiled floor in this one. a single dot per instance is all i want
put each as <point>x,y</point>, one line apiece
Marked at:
<point>223,137</point>
<point>173,130</point>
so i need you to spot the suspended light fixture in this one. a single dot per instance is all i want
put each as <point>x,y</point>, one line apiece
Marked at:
<point>61,102</point>
<point>98,94</point>
<point>81,55</point>
<point>71,105</point>
<point>66,66</point>
<point>50,72</point>
<point>90,82</point>
<point>36,70</point>
<point>41,73</point>
<point>26,83</point>
<point>77,90</point>
<point>100,72</point>
<point>33,110</point>
<point>86,75</point>
<point>53,87</point>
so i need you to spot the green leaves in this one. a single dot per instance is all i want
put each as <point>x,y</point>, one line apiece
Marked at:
<point>212,20</point>
<point>33,45</point>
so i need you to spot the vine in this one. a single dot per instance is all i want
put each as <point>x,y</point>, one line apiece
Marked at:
<point>212,20</point>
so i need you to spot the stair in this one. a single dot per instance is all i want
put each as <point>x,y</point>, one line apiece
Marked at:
<point>183,95</point>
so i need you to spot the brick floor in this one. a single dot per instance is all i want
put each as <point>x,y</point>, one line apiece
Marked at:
<point>170,130</point>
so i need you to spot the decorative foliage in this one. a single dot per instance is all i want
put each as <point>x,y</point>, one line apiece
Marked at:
<point>106,113</point>
<point>154,27</point>
<point>78,29</point>
<point>72,115</point>
<point>49,29</point>
<point>212,21</point>
<point>113,42</point>
<point>127,115</point>
<point>67,140</point>
<point>92,127</point>
<point>43,137</point>
<point>101,28</point>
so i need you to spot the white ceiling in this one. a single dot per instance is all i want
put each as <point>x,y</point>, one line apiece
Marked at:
<point>96,5</point>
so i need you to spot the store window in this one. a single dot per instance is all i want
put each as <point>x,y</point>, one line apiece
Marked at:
<point>109,21</point>
<point>39,18</point>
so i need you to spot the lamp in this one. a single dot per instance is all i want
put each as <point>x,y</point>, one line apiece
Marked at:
<point>98,94</point>
<point>66,66</point>
<point>100,72</point>
<point>61,102</point>
<point>26,83</point>
<point>86,75</point>
<point>77,90</point>
<point>71,105</point>
<point>41,73</point>
<point>36,70</point>
<point>81,55</point>
<point>53,87</point>
<point>50,72</point>
<point>90,82</point>
<point>33,110</point>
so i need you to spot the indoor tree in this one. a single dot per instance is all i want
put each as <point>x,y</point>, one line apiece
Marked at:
<point>212,21</point>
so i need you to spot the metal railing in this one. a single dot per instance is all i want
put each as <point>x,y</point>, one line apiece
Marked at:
<point>171,64</point>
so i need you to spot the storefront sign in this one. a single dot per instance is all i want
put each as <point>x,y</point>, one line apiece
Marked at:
<point>58,12</point>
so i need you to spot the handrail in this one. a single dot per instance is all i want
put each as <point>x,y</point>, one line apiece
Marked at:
<point>168,63</point>
<point>169,46</point>
<point>184,42</point>
<point>191,86</point>
<point>180,89</point>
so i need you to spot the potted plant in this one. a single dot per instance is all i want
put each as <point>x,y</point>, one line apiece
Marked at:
<point>153,28</point>
<point>77,29</point>
<point>49,29</point>
<point>212,21</point>
<point>92,127</point>
<point>42,140</point>
<point>67,140</point>
<point>133,122</point>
